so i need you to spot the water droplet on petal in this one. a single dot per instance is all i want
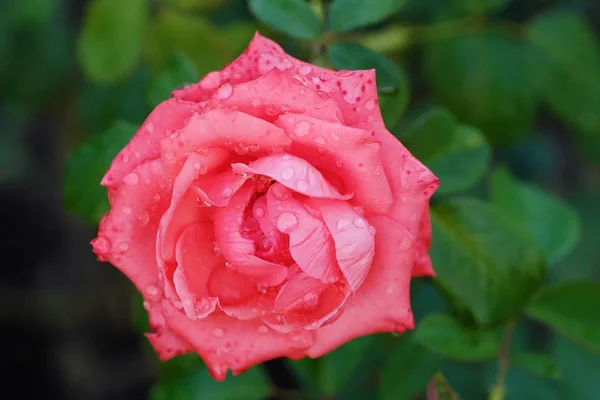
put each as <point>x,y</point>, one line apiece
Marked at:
<point>390,290</point>
<point>227,192</point>
<point>342,224</point>
<point>256,102</point>
<point>370,104</point>
<point>359,222</point>
<point>216,250</point>
<point>156,167</point>
<point>287,174</point>
<point>405,243</point>
<point>124,246</point>
<point>259,212</point>
<point>287,222</point>
<point>224,91</point>
<point>335,136</point>
<point>263,329</point>
<point>150,127</point>
<point>196,165</point>
<point>126,210</point>
<point>302,186</point>
<point>101,245</point>
<point>371,230</point>
<point>359,210</point>
<point>302,128</point>
<point>132,179</point>
<point>320,140</point>
<point>218,332</point>
<point>305,70</point>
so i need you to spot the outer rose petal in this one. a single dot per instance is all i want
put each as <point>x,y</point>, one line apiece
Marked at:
<point>352,236</point>
<point>227,343</point>
<point>127,233</point>
<point>238,250</point>
<point>166,343</point>
<point>167,117</point>
<point>294,173</point>
<point>347,151</point>
<point>311,244</point>
<point>223,129</point>
<point>382,304</point>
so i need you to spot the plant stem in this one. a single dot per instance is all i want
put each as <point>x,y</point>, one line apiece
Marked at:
<point>497,392</point>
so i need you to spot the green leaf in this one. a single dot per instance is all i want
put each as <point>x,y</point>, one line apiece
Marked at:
<point>408,370</point>
<point>484,262</point>
<point>445,336</point>
<point>572,310</point>
<point>525,385</point>
<point>392,105</point>
<point>346,55</point>
<point>191,381</point>
<point>85,168</point>
<point>172,34</point>
<point>292,17</point>
<point>538,363</point>
<point>193,5</point>
<point>110,44</point>
<point>485,79</point>
<point>570,57</point>
<point>581,370</point>
<point>480,6</point>
<point>179,71</point>
<point>345,15</point>
<point>458,154</point>
<point>553,223</point>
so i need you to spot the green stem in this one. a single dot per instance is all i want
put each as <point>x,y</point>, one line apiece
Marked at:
<point>498,390</point>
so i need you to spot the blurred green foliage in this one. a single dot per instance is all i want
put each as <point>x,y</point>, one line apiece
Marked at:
<point>500,98</point>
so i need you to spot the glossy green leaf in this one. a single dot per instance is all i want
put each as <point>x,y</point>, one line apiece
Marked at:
<point>581,370</point>
<point>110,44</point>
<point>346,55</point>
<point>292,17</point>
<point>571,309</point>
<point>485,79</point>
<point>458,154</point>
<point>553,223</point>
<point>172,34</point>
<point>191,381</point>
<point>345,15</point>
<point>538,363</point>
<point>85,168</point>
<point>484,262</point>
<point>570,57</point>
<point>522,384</point>
<point>445,336</point>
<point>176,73</point>
<point>408,370</point>
<point>480,6</point>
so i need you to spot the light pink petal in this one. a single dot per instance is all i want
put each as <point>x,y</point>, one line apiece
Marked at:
<point>217,189</point>
<point>261,57</point>
<point>167,117</point>
<point>382,304</point>
<point>127,233</point>
<point>294,173</point>
<point>353,237</point>
<point>228,343</point>
<point>311,244</point>
<point>349,152</point>
<point>224,129</point>
<point>196,260</point>
<point>307,302</point>
<point>238,250</point>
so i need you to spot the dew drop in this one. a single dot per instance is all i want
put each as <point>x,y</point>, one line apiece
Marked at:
<point>305,70</point>
<point>132,179</point>
<point>256,102</point>
<point>101,245</point>
<point>263,329</point>
<point>302,186</point>
<point>370,104</point>
<point>227,192</point>
<point>124,246</point>
<point>259,212</point>
<point>359,222</point>
<point>224,91</point>
<point>302,128</point>
<point>150,127</point>
<point>311,299</point>
<point>196,165</point>
<point>218,332</point>
<point>287,222</point>
<point>371,230</point>
<point>287,174</point>
<point>216,250</point>
<point>342,224</point>
<point>335,136</point>
<point>320,140</point>
<point>126,210</point>
<point>359,210</point>
<point>156,167</point>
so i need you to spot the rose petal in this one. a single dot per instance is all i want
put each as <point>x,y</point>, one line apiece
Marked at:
<point>422,266</point>
<point>217,189</point>
<point>196,261</point>
<point>166,343</point>
<point>238,250</point>
<point>353,238</point>
<point>347,151</point>
<point>224,129</point>
<point>273,245</point>
<point>294,173</point>
<point>167,117</point>
<point>383,302</point>
<point>311,244</point>
<point>228,343</point>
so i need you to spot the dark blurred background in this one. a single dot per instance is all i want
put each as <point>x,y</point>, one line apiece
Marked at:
<point>65,318</point>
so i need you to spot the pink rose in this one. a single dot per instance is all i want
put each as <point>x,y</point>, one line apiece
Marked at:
<point>266,211</point>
